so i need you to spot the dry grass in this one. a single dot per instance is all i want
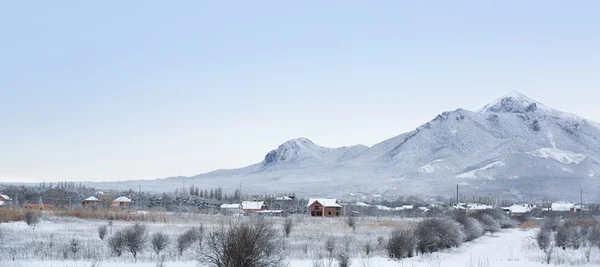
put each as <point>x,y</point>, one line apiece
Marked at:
<point>157,217</point>
<point>10,214</point>
<point>527,225</point>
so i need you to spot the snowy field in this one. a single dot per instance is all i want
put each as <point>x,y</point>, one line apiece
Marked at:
<point>48,244</point>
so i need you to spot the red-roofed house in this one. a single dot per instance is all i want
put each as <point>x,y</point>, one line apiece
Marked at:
<point>324,207</point>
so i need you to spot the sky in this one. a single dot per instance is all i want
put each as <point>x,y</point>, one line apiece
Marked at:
<point>123,90</point>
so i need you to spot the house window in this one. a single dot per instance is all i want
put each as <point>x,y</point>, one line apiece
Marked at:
<point>329,213</point>
<point>337,214</point>
<point>316,207</point>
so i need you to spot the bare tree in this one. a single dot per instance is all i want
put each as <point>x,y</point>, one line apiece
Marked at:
<point>31,218</point>
<point>287,226</point>
<point>136,238</point>
<point>74,246</point>
<point>117,243</point>
<point>244,244</point>
<point>159,242</point>
<point>187,238</point>
<point>402,244</point>
<point>351,221</point>
<point>102,232</point>
<point>545,242</point>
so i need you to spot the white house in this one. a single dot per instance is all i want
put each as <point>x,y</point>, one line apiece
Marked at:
<point>229,209</point>
<point>563,206</point>
<point>520,208</point>
<point>5,200</point>
<point>253,206</point>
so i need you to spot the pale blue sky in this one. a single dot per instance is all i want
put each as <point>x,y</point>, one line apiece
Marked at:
<point>139,90</point>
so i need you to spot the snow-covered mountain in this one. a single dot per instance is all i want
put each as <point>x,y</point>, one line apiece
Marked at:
<point>514,147</point>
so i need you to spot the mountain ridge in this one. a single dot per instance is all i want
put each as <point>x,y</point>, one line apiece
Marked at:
<point>508,147</point>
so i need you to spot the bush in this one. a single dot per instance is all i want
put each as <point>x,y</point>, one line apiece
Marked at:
<point>244,244</point>
<point>159,242</point>
<point>351,221</point>
<point>187,238</point>
<point>402,244</point>
<point>544,241</point>
<point>116,243</point>
<point>74,246</point>
<point>489,224</point>
<point>133,239</point>
<point>31,218</point>
<point>504,221</point>
<point>287,226</point>
<point>470,226</point>
<point>343,259</point>
<point>102,232</point>
<point>552,223</point>
<point>567,237</point>
<point>437,234</point>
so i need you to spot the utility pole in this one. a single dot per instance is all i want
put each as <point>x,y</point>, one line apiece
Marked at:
<point>457,200</point>
<point>581,203</point>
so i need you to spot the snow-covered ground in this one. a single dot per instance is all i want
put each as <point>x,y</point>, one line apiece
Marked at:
<point>26,246</point>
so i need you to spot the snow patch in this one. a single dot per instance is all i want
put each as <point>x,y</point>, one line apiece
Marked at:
<point>472,174</point>
<point>551,139</point>
<point>429,167</point>
<point>562,156</point>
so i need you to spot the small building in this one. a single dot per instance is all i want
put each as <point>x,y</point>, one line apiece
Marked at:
<point>121,203</point>
<point>253,206</point>
<point>91,202</point>
<point>519,209</point>
<point>37,207</point>
<point>230,209</point>
<point>5,200</point>
<point>324,207</point>
<point>563,206</point>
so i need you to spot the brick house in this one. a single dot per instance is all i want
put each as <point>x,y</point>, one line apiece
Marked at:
<point>91,202</point>
<point>121,203</point>
<point>37,207</point>
<point>5,200</point>
<point>324,207</point>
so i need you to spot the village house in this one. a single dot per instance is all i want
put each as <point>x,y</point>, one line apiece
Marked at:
<point>91,202</point>
<point>121,203</point>
<point>324,207</point>
<point>520,209</point>
<point>37,207</point>
<point>563,206</point>
<point>253,206</point>
<point>5,200</point>
<point>230,209</point>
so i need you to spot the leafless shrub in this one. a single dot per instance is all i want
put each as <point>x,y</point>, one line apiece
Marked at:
<point>102,232</point>
<point>351,221</point>
<point>287,226</point>
<point>160,241</point>
<point>161,262</point>
<point>244,244</point>
<point>343,259</point>
<point>380,241</point>
<point>367,249</point>
<point>117,243</point>
<point>470,226</point>
<point>489,224</point>
<point>401,244</point>
<point>545,242</point>
<point>188,238</point>
<point>437,234</point>
<point>567,237</point>
<point>31,218</point>
<point>74,246</point>
<point>136,238</point>
<point>330,245</point>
